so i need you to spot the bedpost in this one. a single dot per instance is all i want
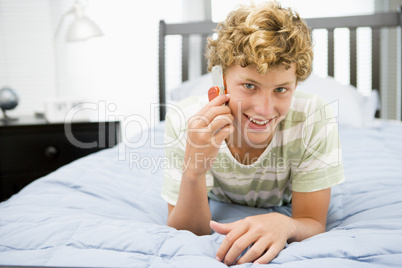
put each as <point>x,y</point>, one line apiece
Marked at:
<point>400,59</point>
<point>162,71</point>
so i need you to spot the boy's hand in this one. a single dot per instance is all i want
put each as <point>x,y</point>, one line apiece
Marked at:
<point>206,131</point>
<point>268,233</point>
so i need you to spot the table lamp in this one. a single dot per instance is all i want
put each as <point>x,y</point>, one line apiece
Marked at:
<point>80,29</point>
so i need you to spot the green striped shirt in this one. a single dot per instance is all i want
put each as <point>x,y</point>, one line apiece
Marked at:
<point>303,156</point>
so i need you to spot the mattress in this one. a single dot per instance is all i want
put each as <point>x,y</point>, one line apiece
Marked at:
<point>105,210</point>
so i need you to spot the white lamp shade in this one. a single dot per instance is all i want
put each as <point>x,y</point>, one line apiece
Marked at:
<point>81,29</point>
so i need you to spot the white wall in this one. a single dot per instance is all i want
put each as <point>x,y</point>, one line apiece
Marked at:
<point>120,68</point>
<point>26,51</point>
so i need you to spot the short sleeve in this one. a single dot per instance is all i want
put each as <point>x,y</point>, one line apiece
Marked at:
<point>321,165</point>
<point>175,146</point>
<point>174,152</point>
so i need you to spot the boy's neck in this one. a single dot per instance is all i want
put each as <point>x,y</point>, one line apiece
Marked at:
<point>245,153</point>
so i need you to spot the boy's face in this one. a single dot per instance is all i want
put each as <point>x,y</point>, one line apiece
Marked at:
<point>258,102</point>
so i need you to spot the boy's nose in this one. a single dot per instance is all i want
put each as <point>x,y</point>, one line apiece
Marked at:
<point>264,105</point>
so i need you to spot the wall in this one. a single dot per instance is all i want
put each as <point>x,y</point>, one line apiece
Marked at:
<point>117,71</point>
<point>26,52</point>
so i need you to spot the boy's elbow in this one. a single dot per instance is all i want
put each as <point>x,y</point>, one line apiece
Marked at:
<point>202,231</point>
<point>196,229</point>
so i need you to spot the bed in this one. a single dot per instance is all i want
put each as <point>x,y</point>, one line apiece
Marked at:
<point>105,210</point>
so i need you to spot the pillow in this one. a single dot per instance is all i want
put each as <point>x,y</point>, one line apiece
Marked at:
<point>351,107</point>
<point>194,87</point>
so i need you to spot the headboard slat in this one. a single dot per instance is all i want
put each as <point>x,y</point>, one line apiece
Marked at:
<point>353,56</point>
<point>331,52</point>
<point>185,55</point>
<point>162,71</point>
<point>206,28</point>
<point>375,20</point>
<point>204,63</point>
<point>375,58</point>
<point>200,27</point>
<point>375,62</point>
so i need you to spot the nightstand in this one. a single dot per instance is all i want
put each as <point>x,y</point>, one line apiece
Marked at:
<point>31,147</point>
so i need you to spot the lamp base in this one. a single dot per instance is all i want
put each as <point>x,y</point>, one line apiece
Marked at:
<point>6,118</point>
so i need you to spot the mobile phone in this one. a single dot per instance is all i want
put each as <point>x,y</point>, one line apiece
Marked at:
<point>218,83</point>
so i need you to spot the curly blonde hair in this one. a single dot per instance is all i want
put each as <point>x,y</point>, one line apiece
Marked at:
<point>265,36</point>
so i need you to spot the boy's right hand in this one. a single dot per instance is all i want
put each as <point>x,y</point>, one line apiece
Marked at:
<point>206,131</point>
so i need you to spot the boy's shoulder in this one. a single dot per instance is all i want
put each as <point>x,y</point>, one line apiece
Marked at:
<point>304,105</point>
<point>179,113</point>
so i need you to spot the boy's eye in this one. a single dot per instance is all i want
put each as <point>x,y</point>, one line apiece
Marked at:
<point>249,86</point>
<point>280,89</point>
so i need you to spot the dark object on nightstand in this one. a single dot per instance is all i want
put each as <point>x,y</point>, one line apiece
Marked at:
<point>8,101</point>
<point>31,148</point>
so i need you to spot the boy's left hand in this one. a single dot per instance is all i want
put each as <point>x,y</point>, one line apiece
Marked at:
<point>268,233</point>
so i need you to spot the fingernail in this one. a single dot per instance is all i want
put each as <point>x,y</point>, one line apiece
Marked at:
<point>218,259</point>
<point>228,95</point>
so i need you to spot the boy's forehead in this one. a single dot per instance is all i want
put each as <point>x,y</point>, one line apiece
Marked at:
<point>243,71</point>
<point>274,76</point>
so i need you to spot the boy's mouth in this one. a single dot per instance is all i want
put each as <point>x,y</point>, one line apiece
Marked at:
<point>259,122</point>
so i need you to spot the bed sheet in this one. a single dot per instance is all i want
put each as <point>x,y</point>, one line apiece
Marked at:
<point>105,210</point>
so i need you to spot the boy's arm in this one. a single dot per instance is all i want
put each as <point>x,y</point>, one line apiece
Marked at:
<point>192,209</point>
<point>309,210</point>
<point>270,232</point>
<point>205,133</point>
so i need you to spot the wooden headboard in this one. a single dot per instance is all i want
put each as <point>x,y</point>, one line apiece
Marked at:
<point>206,28</point>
